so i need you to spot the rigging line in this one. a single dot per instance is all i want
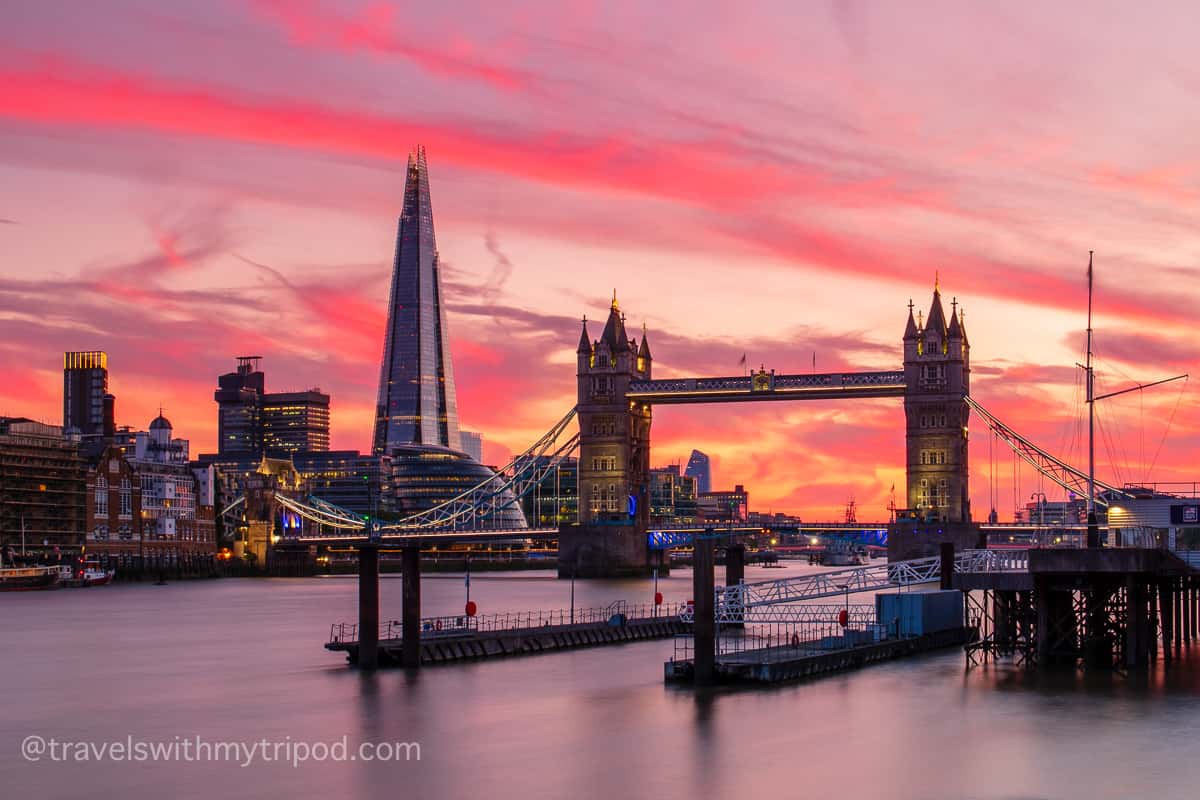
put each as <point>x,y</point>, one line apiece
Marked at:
<point>1117,431</point>
<point>1142,423</point>
<point>1158,451</point>
<point>1106,438</point>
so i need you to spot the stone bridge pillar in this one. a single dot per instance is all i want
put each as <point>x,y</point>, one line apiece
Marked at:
<point>937,375</point>
<point>614,459</point>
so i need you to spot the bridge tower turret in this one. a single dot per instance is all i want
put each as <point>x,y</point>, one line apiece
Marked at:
<point>937,373</point>
<point>614,456</point>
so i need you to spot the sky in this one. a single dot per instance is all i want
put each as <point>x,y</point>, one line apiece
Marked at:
<point>182,183</point>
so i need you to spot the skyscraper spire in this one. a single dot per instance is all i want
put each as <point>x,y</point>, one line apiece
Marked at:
<point>417,402</point>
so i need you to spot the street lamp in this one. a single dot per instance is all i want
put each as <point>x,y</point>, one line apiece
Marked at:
<point>1041,498</point>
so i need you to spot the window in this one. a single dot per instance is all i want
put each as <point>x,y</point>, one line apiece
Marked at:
<point>126,498</point>
<point>943,420</point>
<point>101,496</point>
<point>612,497</point>
<point>595,504</point>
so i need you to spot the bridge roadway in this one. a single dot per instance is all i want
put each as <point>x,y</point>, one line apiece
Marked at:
<point>768,386</point>
<point>420,538</point>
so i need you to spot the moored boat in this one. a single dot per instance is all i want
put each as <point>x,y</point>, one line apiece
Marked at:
<point>89,574</point>
<point>17,579</point>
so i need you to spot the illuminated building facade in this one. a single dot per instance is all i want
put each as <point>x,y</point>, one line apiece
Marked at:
<point>424,476</point>
<point>348,479</point>
<point>417,402</point>
<point>555,499</point>
<point>87,405</point>
<point>724,508</point>
<point>148,500</point>
<point>937,367</point>
<point>614,438</point>
<point>239,399</point>
<point>295,422</point>
<point>673,498</point>
<point>252,423</point>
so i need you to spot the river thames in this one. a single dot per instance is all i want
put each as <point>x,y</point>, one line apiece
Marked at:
<point>242,660</point>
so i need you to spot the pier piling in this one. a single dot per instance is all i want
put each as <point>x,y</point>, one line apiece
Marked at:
<point>705,618</point>
<point>410,574</point>
<point>947,565</point>
<point>368,606</point>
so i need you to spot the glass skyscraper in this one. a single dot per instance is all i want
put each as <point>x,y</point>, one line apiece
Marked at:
<point>417,403</point>
<point>698,467</point>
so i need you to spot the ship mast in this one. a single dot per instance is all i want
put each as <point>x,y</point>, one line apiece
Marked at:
<point>1093,530</point>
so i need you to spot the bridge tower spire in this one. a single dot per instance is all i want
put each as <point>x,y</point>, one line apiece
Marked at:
<point>614,457</point>
<point>937,377</point>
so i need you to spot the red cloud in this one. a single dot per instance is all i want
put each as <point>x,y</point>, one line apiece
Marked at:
<point>374,31</point>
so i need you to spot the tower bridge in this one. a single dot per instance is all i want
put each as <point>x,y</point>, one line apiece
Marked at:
<point>616,394</point>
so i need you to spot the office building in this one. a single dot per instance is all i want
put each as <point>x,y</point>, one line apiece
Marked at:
<point>239,403</point>
<point>417,403</point>
<point>724,507</point>
<point>673,498</point>
<point>295,422</point>
<point>416,419</point>
<point>252,423</point>
<point>348,479</point>
<point>87,405</point>
<point>698,467</point>
<point>472,445</point>
<point>555,498</point>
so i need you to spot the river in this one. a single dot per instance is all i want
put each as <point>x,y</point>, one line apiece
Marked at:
<point>242,660</point>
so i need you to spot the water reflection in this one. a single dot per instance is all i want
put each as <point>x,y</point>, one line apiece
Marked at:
<point>158,661</point>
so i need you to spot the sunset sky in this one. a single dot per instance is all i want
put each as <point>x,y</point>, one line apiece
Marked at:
<point>184,182</point>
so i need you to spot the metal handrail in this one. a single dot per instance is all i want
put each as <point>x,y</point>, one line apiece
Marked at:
<point>460,624</point>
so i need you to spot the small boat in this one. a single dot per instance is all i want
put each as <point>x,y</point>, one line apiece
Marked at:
<point>90,574</point>
<point>18,579</point>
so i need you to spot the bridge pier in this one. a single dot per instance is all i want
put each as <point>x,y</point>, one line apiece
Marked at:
<point>368,606</point>
<point>704,625</point>
<point>410,575</point>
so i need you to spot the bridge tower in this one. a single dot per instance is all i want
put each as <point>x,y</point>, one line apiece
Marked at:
<point>937,370</point>
<point>614,457</point>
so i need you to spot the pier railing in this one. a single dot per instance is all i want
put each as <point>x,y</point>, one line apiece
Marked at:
<point>461,624</point>
<point>1016,560</point>
<point>771,641</point>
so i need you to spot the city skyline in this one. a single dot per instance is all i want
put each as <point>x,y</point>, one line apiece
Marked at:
<point>765,216</point>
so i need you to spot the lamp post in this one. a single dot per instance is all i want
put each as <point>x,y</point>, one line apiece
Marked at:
<point>1041,498</point>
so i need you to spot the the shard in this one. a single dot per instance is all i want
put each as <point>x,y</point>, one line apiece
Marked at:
<point>417,403</point>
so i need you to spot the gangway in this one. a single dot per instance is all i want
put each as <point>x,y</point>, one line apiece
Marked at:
<point>745,601</point>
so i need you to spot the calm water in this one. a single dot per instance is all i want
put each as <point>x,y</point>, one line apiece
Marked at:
<point>242,660</point>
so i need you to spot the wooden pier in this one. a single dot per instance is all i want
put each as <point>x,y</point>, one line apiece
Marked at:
<point>1103,608</point>
<point>447,645</point>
